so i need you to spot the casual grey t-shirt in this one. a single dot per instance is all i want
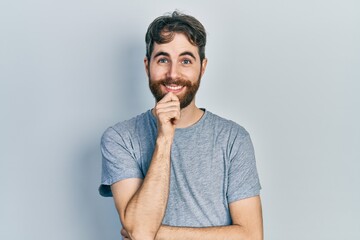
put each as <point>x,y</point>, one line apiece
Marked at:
<point>212,165</point>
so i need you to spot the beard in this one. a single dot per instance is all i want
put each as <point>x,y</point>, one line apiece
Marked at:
<point>185,98</point>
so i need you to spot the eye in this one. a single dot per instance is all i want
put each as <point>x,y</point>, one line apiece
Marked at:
<point>186,61</point>
<point>162,60</point>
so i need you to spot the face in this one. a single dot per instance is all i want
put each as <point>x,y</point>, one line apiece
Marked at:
<point>175,67</point>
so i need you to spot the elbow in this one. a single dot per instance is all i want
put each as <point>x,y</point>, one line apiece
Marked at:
<point>138,233</point>
<point>138,229</point>
<point>256,235</point>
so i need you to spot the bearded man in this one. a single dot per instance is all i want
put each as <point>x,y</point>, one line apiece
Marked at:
<point>178,171</point>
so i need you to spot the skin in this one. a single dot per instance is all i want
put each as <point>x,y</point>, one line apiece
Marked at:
<point>141,204</point>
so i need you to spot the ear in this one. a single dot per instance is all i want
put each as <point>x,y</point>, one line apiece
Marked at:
<point>146,64</point>
<point>203,66</point>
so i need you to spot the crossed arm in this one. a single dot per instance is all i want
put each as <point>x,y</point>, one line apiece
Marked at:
<point>141,204</point>
<point>246,215</point>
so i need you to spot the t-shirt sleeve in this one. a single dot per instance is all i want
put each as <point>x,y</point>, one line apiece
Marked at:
<point>243,176</point>
<point>118,159</point>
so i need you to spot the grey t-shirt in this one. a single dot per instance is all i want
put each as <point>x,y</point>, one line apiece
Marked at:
<point>212,165</point>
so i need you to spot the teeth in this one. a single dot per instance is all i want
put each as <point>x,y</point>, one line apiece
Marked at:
<point>173,87</point>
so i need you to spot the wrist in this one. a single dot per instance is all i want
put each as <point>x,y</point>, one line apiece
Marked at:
<point>164,140</point>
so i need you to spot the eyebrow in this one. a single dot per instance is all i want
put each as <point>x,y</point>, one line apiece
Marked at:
<point>188,53</point>
<point>161,53</point>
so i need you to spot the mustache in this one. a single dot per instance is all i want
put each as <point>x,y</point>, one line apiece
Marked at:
<point>180,82</point>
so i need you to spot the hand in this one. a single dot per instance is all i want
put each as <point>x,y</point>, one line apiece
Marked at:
<point>167,112</point>
<point>125,234</point>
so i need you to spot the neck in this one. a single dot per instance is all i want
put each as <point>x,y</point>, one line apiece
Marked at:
<point>189,116</point>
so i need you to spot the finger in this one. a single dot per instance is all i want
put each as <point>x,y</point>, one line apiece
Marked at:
<point>168,105</point>
<point>166,116</point>
<point>169,100</point>
<point>169,97</point>
<point>169,108</point>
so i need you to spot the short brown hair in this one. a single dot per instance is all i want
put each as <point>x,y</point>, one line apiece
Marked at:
<point>162,30</point>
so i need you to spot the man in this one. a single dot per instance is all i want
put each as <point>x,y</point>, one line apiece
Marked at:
<point>178,171</point>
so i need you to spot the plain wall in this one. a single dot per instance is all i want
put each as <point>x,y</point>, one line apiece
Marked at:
<point>288,71</point>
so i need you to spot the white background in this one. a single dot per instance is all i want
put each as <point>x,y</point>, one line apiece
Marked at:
<point>288,71</point>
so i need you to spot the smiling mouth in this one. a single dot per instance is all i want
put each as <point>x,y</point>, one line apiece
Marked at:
<point>173,87</point>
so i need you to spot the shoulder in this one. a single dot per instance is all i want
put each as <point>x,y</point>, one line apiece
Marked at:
<point>125,129</point>
<point>226,126</point>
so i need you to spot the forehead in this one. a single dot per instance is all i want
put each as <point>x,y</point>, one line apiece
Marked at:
<point>178,45</point>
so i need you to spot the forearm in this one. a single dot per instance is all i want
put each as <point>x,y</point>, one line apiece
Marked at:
<point>145,211</point>
<point>231,232</point>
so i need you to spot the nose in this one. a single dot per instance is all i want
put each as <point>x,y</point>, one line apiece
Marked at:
<point>173,71</point>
